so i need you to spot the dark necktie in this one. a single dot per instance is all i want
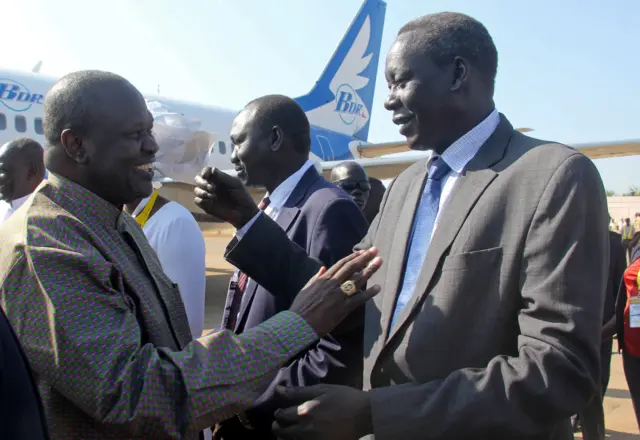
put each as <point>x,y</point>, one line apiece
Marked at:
<point>241,283</point>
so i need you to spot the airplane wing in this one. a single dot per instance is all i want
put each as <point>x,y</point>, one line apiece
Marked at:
<point>593,150</point>
<point>381,167</point>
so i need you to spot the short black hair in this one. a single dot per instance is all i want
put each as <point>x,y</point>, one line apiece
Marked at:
<point>68,104</point>
<point>29,151</point>
<point>286,113</point>
<point>446,35</point>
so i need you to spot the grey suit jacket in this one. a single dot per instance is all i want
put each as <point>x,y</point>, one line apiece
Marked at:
<point>501,339</point>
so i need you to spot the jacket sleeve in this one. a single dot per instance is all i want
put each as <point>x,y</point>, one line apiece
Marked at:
<point>268,257</point>
<point>80,332</point>
<point>554,374</point>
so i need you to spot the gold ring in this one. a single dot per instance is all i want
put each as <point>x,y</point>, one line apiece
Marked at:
<point>348,287</point>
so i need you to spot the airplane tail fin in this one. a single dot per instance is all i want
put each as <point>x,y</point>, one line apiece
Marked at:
<point>342,98</point>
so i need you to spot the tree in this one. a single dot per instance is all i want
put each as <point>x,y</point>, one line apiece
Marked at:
<point>633,191</point>
<point>610,193</point>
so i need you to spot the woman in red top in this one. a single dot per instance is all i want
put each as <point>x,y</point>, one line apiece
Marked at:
<point>628,337</point>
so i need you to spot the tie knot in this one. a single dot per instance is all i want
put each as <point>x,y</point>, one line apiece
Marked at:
<point>264,203</point>
<point>438,169</point>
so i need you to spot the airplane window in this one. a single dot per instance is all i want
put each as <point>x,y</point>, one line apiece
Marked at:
<point>21,124</point>
<point>223,148</point>
<point>3,121</point>
<point>38,125</point>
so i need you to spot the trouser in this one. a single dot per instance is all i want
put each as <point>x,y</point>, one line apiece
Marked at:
<point>632,373</point>
<point>626,245</point>
<point>605,364</point>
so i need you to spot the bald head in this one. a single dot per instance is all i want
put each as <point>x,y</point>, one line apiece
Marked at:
<point>271,139</point>
<point>76,101</point>
<point>351,177</point>
<point>281,111</point>
<point>348,170</point>
<point>21,168</point>
<point>99,129</point>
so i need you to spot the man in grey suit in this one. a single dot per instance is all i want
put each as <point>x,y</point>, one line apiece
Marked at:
<point>496,254</point>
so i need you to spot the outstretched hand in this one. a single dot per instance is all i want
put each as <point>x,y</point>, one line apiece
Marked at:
<point>323,412</point>
<point>324,304</point>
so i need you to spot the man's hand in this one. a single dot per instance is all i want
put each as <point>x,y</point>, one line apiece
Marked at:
<point>224,196</point>
<point>323,304</point>
<point>323,412</point>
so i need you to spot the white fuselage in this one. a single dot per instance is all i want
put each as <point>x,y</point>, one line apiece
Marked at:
<point>21,111</point>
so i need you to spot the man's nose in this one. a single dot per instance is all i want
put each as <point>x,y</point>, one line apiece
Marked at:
<point>150,145</point>
<point>234,156</point>
<point>391,103</point>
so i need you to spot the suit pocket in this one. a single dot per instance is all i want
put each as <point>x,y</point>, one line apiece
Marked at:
<point>474,259</point>
<point>468,291</point>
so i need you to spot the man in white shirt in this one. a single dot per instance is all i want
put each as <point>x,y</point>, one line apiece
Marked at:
<point>21,171</point>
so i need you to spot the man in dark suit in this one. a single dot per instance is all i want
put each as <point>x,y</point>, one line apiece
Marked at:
<point>496,256</point>
<point>21,409</point>
<point>272,145</point>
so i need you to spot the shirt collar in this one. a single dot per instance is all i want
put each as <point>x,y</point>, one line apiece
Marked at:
<point>460,153</point>
<point>82,203</point>
<point>17,203</point>
<point>281,194</point>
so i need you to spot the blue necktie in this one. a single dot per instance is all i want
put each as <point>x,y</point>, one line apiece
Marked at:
<point>421,234</point>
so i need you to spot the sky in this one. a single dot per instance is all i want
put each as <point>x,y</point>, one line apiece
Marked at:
<point>567,68</point>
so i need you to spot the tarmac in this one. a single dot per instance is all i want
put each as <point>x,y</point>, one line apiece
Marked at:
<point>620,418</point>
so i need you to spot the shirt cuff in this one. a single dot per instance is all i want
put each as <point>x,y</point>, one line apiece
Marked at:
<point>292,332</point>
<point>243,230</point>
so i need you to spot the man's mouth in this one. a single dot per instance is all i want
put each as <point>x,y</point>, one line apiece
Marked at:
<point>404,121</point>
<point>146,168</point>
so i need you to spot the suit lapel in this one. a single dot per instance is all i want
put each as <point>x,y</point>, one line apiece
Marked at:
<point>168,294</point>
<point>396,263</point>
<point>466,192</point>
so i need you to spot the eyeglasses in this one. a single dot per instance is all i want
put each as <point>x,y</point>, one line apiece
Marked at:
<point>351,185</point>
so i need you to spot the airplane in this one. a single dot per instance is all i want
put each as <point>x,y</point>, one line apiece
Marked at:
<point>194,135</point>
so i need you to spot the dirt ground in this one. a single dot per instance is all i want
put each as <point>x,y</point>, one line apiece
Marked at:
<point>620,419</point>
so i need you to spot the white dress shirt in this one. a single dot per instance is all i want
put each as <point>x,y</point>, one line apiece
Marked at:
<point>6,209</point>
<point>279,197</point>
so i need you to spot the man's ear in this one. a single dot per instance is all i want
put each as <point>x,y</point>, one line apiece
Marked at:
<point>73,146</point>
<point>460,73</point>
<point>277,138</point>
